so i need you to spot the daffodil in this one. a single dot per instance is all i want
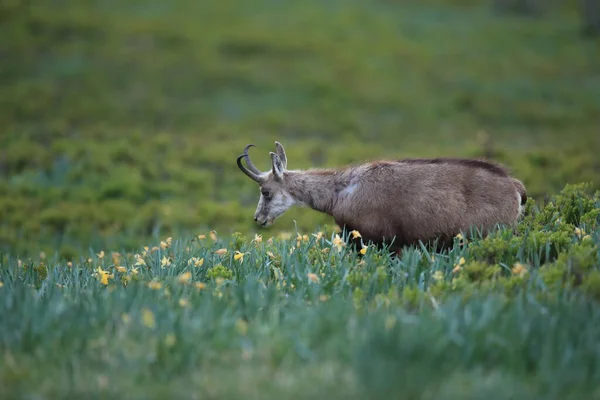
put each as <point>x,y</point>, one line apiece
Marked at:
<point>165,262</point>
<point>101,254</point>
<point>213,235</point>
<point>241,326</point>
<point>201,237</point>
<point>200,285</point>
<point>104,275</point>
<point>148,318</point>
<point>313,277</point>
<point>170,340</point>
<point>355,234</point>
<point>196,262</point>
<point>116,258</point>
<point>185,277</point>
<point>183,302</point>
<point>318,235</point>
<point>519,269</point>
<point>438,275</point>
<point>363,250</point>
<point>239,256</point>
<point>257,238</point>
<point>166,244</point>
<point>155,285</point>
<point>221,252</point>
<point>139,260</point>
<point>338,242</point>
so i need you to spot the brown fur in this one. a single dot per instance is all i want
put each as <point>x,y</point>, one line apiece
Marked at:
<point>406,201</point>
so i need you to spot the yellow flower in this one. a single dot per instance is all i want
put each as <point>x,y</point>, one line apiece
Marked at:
<point>183,302</point>
<point>134,270</point>
<point>313,277</point>
<point>221,252</point>
<point>121,269</point>
<point>104,276</point>
<point>241,326</point>
<point>579,232</point>
<point>239,256</point>
<point>200,285</point>
<point>338,242</point>
<point>69,264</point>
<point>461,261</point>
<point>201,237</point>
<point>197,262</point>
<point>153,284</point>
<point>101,254</point>
<point>301,238</point>
<point>519,269</point>
<point>318,235</point>
<point>167,243</point>
<point>170,340</point>
<point>459,236</point>
<point>1,284</point>
<point>257,238</point>
<point>139,260</point>
<point>165,262</point>
<point>116,258</point>
<point>355,234</point>
<point>148,318</point>
<point>363,250</point>
<point>185,277</point>
<point>270,241</point>
<point>270,254</point>
<point>213,235</point>
<point>438,275</point>
<point>456,269</point>
<point>586,237</point>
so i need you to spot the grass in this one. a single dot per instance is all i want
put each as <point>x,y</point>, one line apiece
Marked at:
<point>301,315</point>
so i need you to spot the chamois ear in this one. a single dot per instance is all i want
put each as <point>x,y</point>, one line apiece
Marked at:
<point>277,166</point>
<point>281,154</point>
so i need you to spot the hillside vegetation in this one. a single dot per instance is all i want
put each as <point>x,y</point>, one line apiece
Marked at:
<point>120,122</point>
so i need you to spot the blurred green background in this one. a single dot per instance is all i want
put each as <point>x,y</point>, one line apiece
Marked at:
<point>120,121</point>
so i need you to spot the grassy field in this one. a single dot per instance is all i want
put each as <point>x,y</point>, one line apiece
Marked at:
<point>130,265</point>
<point>514,315</point>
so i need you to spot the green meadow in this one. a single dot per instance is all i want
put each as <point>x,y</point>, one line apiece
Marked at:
<point>130,264</point>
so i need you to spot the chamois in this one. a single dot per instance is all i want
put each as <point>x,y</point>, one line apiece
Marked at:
<point>399,202</point>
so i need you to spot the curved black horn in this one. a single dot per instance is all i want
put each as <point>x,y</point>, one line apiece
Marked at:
<point>248,161</point>
<point>251,171</point>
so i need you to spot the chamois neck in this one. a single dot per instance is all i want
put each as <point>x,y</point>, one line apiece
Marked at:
<point>316,188</point>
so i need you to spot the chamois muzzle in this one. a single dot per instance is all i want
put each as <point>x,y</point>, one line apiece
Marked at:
<point>251,171</point>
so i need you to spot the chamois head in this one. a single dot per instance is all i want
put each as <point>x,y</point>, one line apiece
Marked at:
<point>274,197</point>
